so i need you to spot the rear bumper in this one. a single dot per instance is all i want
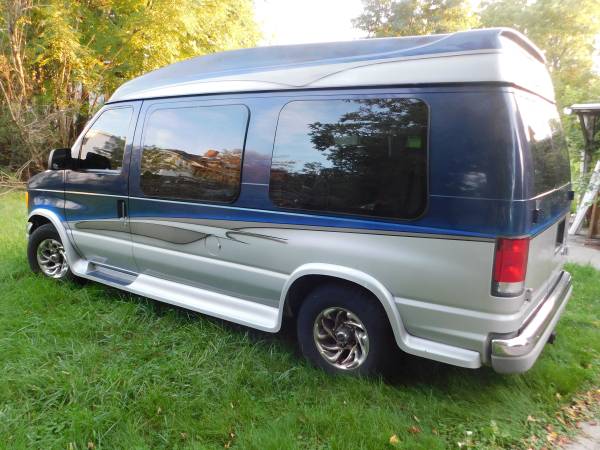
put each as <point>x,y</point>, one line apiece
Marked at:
<point>518,353</point>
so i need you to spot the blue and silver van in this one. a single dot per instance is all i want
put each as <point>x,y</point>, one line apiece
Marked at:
<point>404,191</point>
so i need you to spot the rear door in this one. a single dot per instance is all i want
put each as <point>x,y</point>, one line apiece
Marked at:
<point>96,191</point>
<point>548,171</point>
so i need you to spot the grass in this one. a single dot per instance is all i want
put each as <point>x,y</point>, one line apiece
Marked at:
<point>91,367</point>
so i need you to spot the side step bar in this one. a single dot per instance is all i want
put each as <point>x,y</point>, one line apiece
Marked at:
<point>243,312</point>
<point>106,274</point>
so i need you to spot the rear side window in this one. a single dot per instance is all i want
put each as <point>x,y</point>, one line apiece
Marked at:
<point>194,153</point>
<point>364,157</point>
<point>547,143</point>
<point>103,145</point>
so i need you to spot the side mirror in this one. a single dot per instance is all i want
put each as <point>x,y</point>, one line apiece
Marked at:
<point>60,159</point>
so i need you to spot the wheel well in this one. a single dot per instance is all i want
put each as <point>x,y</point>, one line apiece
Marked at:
<point>37,221</point>
<point>301,287</point>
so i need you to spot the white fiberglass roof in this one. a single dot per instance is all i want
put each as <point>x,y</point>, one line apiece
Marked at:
<point>485,55</point>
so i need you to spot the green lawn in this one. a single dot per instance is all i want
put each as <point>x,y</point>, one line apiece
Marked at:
<point>91,367</point>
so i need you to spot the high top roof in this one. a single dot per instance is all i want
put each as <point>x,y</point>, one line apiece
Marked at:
<point>485,55</point>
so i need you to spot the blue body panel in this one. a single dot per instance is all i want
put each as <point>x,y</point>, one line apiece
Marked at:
<point>478,185</point>
<point>51,185</point>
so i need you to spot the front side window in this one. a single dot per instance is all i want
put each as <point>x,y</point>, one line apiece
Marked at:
<point>103,145</point>
<point>364,157</point>
<point>194,153</point>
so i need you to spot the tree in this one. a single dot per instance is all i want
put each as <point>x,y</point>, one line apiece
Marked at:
<point>565,30</point>
<point>415,17</point>
<point>60,59</point>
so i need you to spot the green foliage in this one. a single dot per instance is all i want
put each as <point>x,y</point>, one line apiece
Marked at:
<point>75,54</point>
<point>91,364</point>
<point>414,17</point>
<point>565,30</point>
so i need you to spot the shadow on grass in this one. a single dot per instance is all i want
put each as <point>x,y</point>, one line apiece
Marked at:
<point>403,370</point>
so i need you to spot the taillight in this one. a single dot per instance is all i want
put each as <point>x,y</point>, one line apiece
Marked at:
<point>510,267</point>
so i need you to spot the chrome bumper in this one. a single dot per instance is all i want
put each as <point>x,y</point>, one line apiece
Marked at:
<point>519,353</point>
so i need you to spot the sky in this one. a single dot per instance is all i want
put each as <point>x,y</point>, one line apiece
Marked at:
<point>303,21</point>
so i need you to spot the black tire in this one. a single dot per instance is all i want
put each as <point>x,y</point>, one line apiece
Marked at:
<point>39,235</point>
<point>361,304</point>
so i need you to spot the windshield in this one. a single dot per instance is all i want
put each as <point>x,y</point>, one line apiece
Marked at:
<point>546,142</point>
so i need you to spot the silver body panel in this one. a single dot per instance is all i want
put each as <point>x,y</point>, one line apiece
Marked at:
<point>242,271</point>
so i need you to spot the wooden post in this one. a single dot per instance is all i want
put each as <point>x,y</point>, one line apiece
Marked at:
<point>588,122</point>
<point>594,218</point>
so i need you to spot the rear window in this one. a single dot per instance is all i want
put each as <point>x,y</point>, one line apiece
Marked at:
<point>364,157</point>
<point>546,142</point>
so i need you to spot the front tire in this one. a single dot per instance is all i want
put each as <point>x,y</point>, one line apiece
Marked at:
<point>344,330</point>
<point>46,253</point>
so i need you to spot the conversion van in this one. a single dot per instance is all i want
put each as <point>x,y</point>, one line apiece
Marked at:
<point>405,191</point>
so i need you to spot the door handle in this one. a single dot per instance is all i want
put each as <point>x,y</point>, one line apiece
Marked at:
<point>122,211</point>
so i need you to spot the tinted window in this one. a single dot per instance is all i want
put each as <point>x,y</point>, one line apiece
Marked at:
<point>547,143</point>
<point>366,157</point>
<point>194,152</point>
<point>103,145</point>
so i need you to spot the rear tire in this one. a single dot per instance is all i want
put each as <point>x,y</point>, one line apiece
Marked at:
<point>46,254</point>
<point>344,330</point>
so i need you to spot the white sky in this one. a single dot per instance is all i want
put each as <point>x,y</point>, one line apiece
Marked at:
<point>303,21</point>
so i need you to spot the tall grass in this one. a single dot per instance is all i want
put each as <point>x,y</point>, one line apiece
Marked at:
<point>91,367</point>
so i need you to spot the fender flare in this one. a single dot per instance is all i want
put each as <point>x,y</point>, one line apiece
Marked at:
<point>355,276</point>
<point>407,342</point>
<point>76,264</point>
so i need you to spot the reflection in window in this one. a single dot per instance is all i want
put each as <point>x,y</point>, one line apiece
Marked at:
<point>103,145</point>
<point>547,143</point>
<point>366,157</point>
<point>194,153</point>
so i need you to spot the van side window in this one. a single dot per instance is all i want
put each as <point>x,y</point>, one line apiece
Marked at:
<point>547,144</point>
<point>103,145</point>
<point>365,157</point>
<point>194,153</point>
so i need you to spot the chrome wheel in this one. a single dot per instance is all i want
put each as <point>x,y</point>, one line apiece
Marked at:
<point>51,258</point>
<point>341,338</point>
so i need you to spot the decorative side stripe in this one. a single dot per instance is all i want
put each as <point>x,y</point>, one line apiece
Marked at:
<point>267,224</point>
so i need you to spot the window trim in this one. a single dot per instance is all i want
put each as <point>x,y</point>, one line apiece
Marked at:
<point>355,215</point>
<point>186,105</point>
<point>127,142</point>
